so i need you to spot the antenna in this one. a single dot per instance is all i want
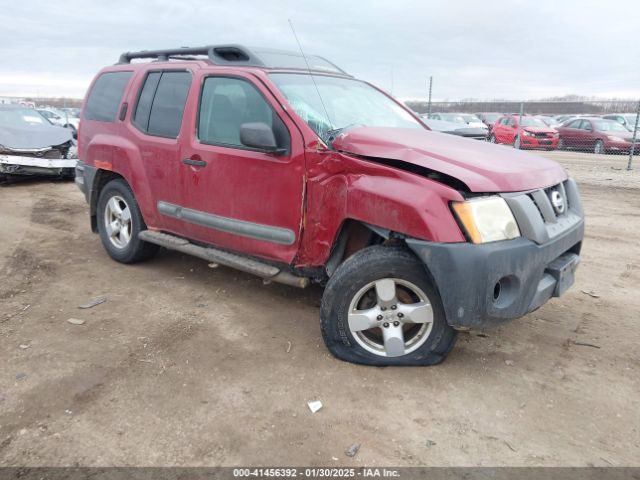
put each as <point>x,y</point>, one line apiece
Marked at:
<point>310,74</point>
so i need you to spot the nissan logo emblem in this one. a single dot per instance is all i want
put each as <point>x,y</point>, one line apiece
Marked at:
<point>557,201</point>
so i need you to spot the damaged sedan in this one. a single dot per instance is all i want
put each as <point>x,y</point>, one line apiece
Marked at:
<point>31,146</point>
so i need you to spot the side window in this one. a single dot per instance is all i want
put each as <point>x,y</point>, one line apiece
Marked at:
<point>586,125</point>
<point>106,95</point>
<point>161,103</point>
<point>226,103</point>
<point>143,108</point>
<point>574,124</point>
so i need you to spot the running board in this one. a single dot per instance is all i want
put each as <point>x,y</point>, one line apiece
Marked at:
<point>267,272</point>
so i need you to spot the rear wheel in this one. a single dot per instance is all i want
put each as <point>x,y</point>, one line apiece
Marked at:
<point>598,147</point>
<point>120,222</point>
<point>380,308</point>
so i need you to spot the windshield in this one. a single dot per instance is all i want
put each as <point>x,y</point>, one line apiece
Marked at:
<point>452,117</point>
<point>549,121</point>
<point>347,102</point>
<point>21,117</point>
<point>491,117</point>
<point>610,126</point>
<point>470,118</point>
<point>532,122</point>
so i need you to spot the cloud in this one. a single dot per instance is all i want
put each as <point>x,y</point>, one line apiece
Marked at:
<point>508,48</point>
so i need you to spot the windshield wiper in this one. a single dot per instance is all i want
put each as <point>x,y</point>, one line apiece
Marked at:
<point>330,135</point>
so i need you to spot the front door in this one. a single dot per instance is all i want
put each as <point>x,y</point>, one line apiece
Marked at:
<point>236,197</point>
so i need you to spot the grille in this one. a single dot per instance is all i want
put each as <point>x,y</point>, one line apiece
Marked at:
<point>551,202</point>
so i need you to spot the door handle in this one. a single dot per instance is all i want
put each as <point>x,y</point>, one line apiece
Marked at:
<point>195,163</point>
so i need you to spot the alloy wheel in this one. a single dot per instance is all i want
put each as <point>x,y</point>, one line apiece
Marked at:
<point>390,317</point>
<point>117,221</point>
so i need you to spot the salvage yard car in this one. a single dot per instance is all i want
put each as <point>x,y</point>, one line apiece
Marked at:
<point>61,118</point>
<point>598,135</point>
<point>31,145</point>
<point>455,128</point>
<point>524,131</point>
<point>288,168</point>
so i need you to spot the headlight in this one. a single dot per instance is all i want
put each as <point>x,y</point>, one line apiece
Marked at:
<point>616,139</point>
<point>527,134</point>
<point>487,219</point>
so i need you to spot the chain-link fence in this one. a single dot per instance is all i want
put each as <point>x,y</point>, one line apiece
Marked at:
<point>601,127</point>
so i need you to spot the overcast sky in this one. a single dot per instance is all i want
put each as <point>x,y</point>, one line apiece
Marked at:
<point>485,49</point>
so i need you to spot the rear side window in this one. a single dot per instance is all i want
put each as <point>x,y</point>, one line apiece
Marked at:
<point>106,95</point>
<point>161,103</point>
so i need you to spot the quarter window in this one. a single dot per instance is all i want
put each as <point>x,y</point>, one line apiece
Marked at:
<point>227,103</point>
<point>106,95</point>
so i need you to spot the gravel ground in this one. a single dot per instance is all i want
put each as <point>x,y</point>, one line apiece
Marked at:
<point>184,365</point>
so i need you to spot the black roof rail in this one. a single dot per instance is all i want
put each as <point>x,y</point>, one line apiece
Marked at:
<point>218,54</point>
<point>237,55</point>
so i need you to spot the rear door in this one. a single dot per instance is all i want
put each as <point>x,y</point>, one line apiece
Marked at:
<point>156,122</point>
<point>237,197</point>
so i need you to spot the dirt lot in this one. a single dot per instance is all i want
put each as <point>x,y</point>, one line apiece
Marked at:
<point>184,365</point>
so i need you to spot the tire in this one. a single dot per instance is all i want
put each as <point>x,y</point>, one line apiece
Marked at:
<point>598,147</point>
<point>561,144</point>
<point>123,246</point>
<point>492,139</point>
<point>357,285</point>
<point>68,174</point>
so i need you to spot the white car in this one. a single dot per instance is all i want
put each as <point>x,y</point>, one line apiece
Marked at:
<point>30,145</point>
<point>63,119</point>
<point>465,118</point>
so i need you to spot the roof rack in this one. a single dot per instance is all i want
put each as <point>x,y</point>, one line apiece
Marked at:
<point>238,55</point>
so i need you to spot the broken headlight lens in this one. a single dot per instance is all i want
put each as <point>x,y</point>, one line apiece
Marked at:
<point>486,219</point>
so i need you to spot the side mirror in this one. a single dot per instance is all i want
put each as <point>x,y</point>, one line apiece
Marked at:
<point>260,136</point>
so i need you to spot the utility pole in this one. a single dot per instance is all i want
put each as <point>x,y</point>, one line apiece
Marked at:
<point>520,125</point>
<point>635,136</point>
<point>429,102</point>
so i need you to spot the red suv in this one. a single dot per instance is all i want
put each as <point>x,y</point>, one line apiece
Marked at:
<point>290,169</point>
<point>524,132</point>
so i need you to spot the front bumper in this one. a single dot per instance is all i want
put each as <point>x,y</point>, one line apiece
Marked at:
<point>534,142</point>
<point>624,147</point>
<point>24,165</point>
<point>495,282</point>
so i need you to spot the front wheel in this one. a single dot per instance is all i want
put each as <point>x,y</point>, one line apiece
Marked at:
<point>492,139</point>
<point>120,222</point>
<point>380,308</point>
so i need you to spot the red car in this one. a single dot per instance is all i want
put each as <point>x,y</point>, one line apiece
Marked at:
<point>534,132</point>
<point>598,135</point>
<point>290,169</point>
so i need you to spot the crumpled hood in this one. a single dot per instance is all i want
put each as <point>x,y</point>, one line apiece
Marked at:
<point>34,136</point>
<point>483,167</point>
<point>539,129</point>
